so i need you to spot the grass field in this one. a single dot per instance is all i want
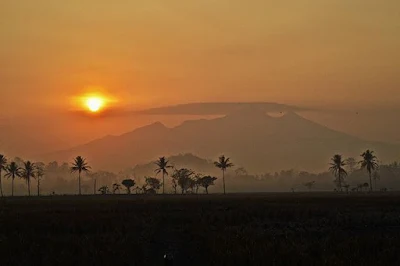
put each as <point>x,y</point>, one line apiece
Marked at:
<point>245,229</point>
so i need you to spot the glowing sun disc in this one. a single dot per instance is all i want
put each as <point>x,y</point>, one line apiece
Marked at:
<point>94,104</point>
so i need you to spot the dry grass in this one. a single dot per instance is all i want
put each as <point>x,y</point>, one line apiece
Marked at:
<point>247,229</point>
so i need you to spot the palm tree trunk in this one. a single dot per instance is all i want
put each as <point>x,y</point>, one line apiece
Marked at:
<point>29,186</point>
<point>12,186</point>
<point>223,180</point>
<point>340,182</point>
<point>79,181</point>
<point>38,187</point>
<point>163,183</point>
<point>370,182</point>
<point>207,190</point>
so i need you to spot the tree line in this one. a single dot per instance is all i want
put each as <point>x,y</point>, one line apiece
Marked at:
<point>185,181</point>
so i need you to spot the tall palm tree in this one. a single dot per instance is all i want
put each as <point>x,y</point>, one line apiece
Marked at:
<point>39,175</point>
<point>162,166</point>
<point>80,165</point>
<point>369,162</point>
<point>337,168</point>
<point>223,164</point>
<point>27,172</point>
<point>13,170</point>
<point>3,165</point>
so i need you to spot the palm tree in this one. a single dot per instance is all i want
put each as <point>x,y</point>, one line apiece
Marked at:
<point>337,168</point>
<point>162,165</point>
<point>13,171</point>
<point>3,165</point>
<point>39,175</point>
<point>223,164</point>
<point>27,172</point>
<point>80,165</point>
<point>369,161</point>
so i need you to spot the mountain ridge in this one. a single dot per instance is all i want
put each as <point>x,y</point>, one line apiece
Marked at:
<point>251,137</point>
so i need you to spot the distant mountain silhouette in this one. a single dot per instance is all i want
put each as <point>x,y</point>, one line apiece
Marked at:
<point>221,108</point>
<point>249,136</point>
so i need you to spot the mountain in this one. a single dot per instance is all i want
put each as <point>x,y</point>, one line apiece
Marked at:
<point>216,108</point>
<point>248,135</point>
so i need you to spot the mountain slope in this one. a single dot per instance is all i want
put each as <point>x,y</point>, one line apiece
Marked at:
<point>249,136</point>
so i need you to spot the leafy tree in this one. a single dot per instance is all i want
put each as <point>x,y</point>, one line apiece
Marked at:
<point>80,165</point>
<point>337,169</point>
<point>223,164</point>
<point>39,176</point>
<point>206,181</point>
<point>309,185</point>
<point>241,171</point>
<point>116,187</point>
<point>128,183</point>
<point>162,166</point>
<point>3,166</point>
<point>152,185</point>
<point>351,164</point>
<point>174,184</point>
<point>13,171</point>
<point>183,178</point>
<point>104,190</point>
<point>376,176</point>
<point>28,171</point>
<point>369,162</point>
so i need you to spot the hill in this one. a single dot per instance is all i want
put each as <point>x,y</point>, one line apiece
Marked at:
<point>248,135</point>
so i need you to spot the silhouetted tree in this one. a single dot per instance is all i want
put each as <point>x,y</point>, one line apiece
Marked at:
<point>351,164</point>
<point>3,165</point>
<point>337,169</point>
<point>241,171</point>
<point>152,185</point>
<point>116,187</point>
<point>28,171</point>
<point>369,162</point>
<point>223,164</point>
<point>104,190</point>
<point>162,166</point>
<point>128,183</point>
<point>309,185</point>
<point>80,165</point>
<point>13,171</point>
<point>206,181</point>
<point>39,175</point>
<point>376,176</point>
<point>183,178</point>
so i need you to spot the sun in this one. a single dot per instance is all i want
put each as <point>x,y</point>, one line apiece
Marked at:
<point>94,104</point>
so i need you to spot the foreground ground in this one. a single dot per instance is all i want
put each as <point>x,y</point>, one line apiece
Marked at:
<point>247,229</point>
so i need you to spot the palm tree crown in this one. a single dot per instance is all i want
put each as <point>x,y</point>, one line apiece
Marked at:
<point>223,163</point>
<point>28,171</point>
<point>369,162</point>
<point>80,165</point>
<point>337,168</point>
<point>162,166</point>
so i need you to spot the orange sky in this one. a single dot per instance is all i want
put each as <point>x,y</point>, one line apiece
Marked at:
<point>335,53</point>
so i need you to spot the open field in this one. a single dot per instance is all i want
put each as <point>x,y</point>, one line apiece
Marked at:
<point>242,229</point>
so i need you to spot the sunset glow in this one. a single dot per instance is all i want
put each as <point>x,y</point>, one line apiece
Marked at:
<point>94,104</point>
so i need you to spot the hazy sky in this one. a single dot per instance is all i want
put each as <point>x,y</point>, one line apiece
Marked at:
<point>335,53</point>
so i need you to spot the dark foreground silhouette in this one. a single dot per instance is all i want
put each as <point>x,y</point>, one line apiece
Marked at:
<point>245,229</point>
